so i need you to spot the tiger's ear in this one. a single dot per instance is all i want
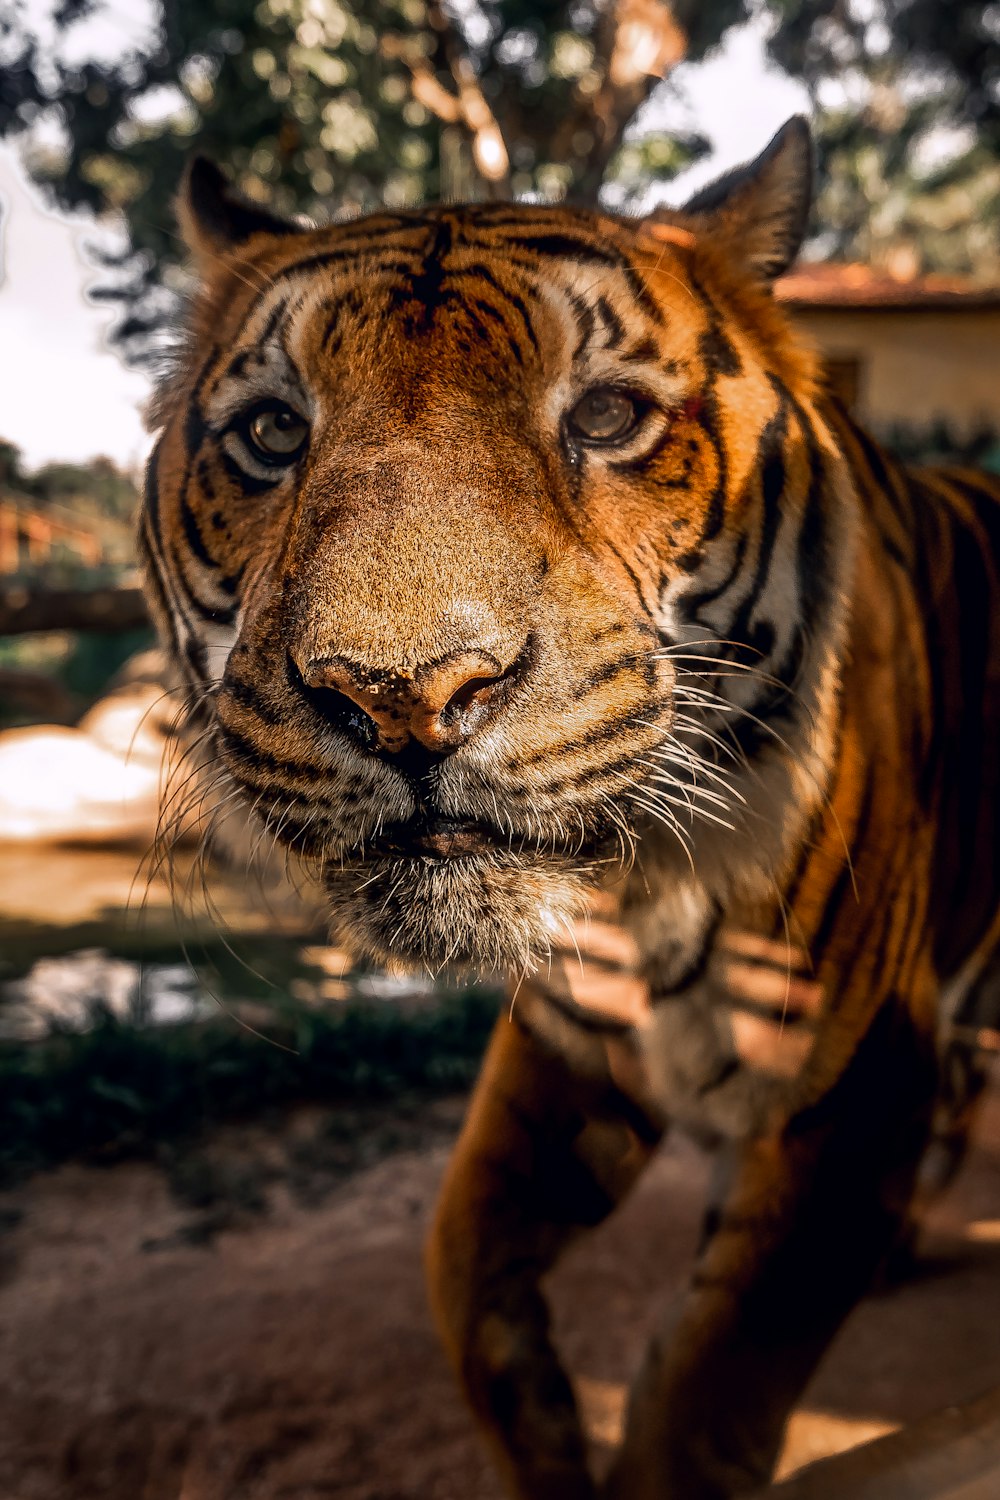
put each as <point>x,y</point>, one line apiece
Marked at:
<point>760,210</point>
<point>214,217</point>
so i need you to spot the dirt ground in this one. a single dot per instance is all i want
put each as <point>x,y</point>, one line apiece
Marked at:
<point>153,1347</point>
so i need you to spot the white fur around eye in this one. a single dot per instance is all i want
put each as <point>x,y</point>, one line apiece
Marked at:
<point>217,642</point>
<point>243,455</point>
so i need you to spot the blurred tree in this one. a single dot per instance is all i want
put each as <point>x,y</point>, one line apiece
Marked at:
<point>327,105</point>
<point>12,475</point>
<point>97,490</point>
<point>907,96</point>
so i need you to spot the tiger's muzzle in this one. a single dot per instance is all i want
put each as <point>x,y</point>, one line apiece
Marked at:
<point>433,677</point>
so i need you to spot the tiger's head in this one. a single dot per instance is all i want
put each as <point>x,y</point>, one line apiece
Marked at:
<point>446,507</point>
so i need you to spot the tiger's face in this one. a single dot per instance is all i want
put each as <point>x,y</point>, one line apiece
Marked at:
<point>430,492</point>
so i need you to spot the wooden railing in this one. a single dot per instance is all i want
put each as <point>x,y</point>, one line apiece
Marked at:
<point>24,608</point>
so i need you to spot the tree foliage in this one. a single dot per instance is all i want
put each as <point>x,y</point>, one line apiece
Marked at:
<point>907,96</point>
<point>97,489</point>
<point>325,106</point>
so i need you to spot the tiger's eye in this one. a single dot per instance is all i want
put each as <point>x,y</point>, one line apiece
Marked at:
<point>604,416</point>
<point>277,432</point>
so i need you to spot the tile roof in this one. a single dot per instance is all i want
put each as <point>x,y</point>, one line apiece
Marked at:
<point>820,284</point>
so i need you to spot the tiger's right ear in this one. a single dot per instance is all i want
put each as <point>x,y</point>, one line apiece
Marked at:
<point>214,217</point>
<point>760,211</point>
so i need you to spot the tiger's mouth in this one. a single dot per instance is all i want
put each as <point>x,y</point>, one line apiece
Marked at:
<point>436,836</point>
<point>440,836</point>
<point>441,890</point>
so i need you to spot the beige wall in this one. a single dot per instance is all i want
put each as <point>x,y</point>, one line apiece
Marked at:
<point>916,367</point>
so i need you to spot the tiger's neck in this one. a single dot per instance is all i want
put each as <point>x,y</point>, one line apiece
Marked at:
<point>761,647</point>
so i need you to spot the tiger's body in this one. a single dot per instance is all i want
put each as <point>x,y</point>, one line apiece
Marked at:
<point>515,554</point>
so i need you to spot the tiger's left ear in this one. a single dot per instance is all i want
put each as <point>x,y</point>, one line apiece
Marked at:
<point>760,210</point>
<point>214,217</point>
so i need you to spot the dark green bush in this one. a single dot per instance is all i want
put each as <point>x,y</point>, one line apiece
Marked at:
<point>118,1090</point>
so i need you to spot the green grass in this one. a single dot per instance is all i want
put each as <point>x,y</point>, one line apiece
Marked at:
<point>118,1091</point>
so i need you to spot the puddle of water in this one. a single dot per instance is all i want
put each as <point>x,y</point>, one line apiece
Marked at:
<point>75,991</point>
<point>85,933</point>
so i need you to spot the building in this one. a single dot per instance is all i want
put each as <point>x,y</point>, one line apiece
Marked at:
<point>904,355</point>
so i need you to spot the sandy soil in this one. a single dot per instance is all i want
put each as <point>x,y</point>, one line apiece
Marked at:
<point>289,1356</point>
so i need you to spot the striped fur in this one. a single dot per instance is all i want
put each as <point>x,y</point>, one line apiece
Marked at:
<point>744,698</point>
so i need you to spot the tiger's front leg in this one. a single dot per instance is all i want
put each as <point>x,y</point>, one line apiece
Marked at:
<point>814,1207</point>
<point>543,1155</point>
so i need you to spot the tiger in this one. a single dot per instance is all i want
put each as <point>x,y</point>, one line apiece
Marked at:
<point>526,577</point>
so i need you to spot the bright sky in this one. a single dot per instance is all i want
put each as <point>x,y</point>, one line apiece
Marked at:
<point>65,395</point>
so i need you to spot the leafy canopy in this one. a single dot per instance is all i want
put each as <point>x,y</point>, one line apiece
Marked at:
<point>324,106</point>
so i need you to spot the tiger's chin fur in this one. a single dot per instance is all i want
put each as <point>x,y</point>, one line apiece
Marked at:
<point>492,912</point>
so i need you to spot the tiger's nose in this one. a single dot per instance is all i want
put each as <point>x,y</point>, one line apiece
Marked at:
<point>440,704</point>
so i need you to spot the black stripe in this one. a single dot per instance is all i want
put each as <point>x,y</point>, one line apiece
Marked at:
<point>583,252</point>
<point>770,466</point>
<point>780,1014</point>
<point>192,655</point>
<point>210,614</point>
<point>694,602</point>
<point>256,759</point>
<point>481,272</point>
<point>585,1019</point>
<point>604,771</point>
<point>563,246</point>
<point>636,580</point>
<point>646,352</point>
<point>230,582</point>
<point>250,484</point>
<point>424,288</point>
<point>584,315</point>
<point>648,459</point>
<point>883,477</point>
<point>707,420</point>
<point>275,317</point>
<point>598,735</point>
<point>489,311</point>
<point>246,695</point>
<point>693,971</point>
<point>151,489</point>
<point>607,673</point>
<point>194,422</point>
<point>612,322</point>
<point>195,428</point>
<point>153,582</point>
<point>192,533</point>
<point>714,346</point>
<point>807,849</point>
